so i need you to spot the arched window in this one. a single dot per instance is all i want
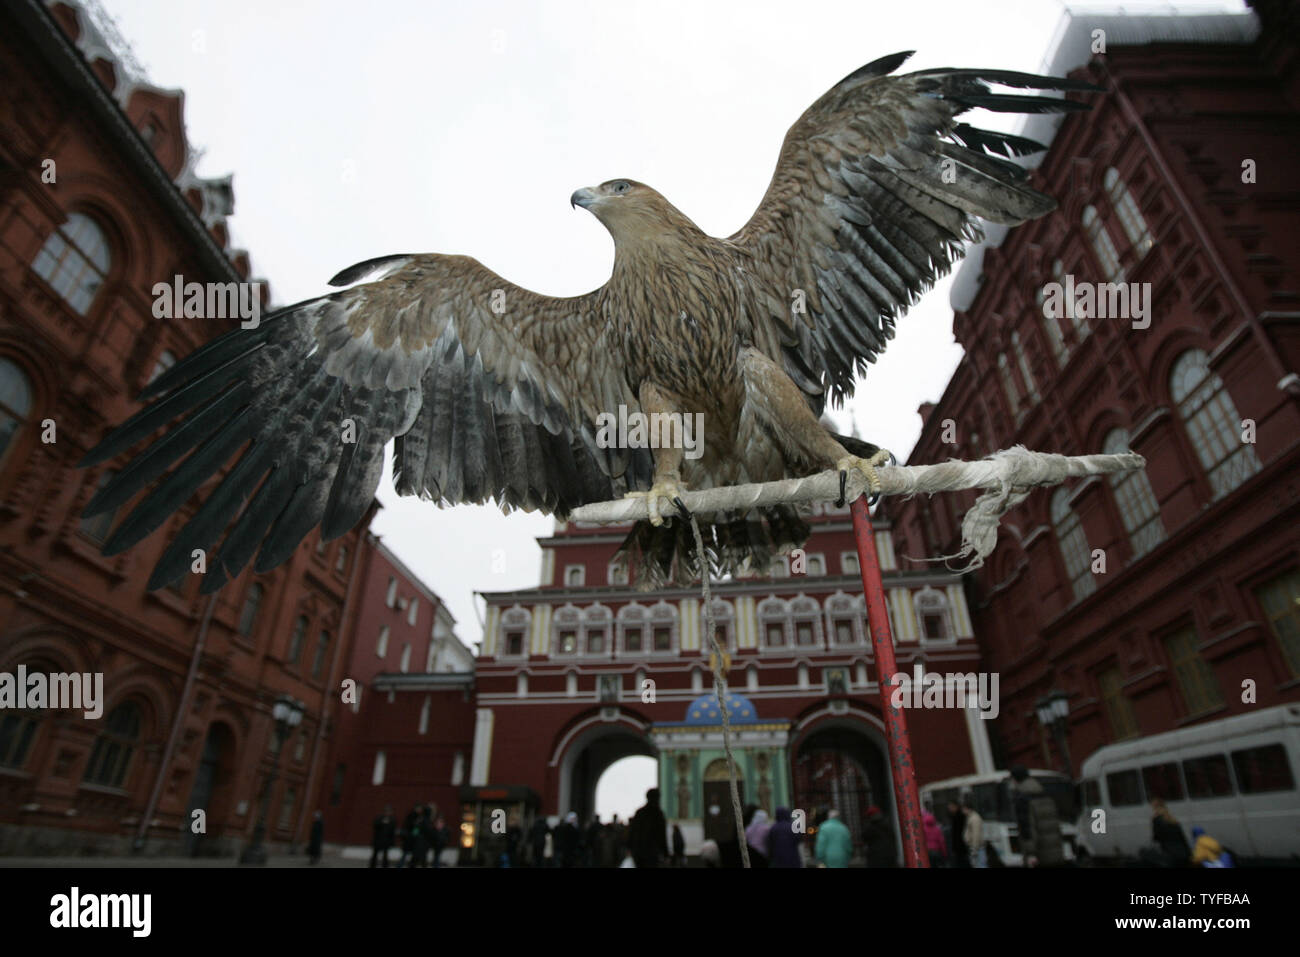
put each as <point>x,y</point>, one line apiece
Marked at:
<point>75,261</point>
<point>663,628</point>
<point>1130,217</point>
<point>1080,323</point>
<point>15,404</point>
<point>1212,423</point>
<point>1102,245</point>
<point>1074,545</point>
<point>381,646</point>
<point>632,627</point>
<point>845,619</point>
<point>595,629</point>
<point>1013,394</point>
<point>724,623</point>
<point>17,731</point>
<point>111,758</point>
<point>1024,366</point>
<point>1137,503</point>
<point>806,616</point>
<point>513,641</point>
<point>567,631</point>
<point>322,646</point>
<point>295,643</point>
<point>932,615</point>
<point>1052,323</point>
<point>248,618</point>
<point>774,622</point>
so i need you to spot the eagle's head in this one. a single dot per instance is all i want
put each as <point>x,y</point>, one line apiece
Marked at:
<point>630,210</point>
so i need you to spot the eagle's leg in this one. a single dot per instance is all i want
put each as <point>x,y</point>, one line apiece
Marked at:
<point>667,485</point>
<point>784,408</point>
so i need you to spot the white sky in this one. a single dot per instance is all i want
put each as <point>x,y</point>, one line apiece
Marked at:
<point>421,126</point>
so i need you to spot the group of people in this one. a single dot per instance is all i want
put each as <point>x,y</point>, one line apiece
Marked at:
<point>782,842</point>
<point>959,841</point>
<point>1169,847</point>
<point>423,836</point>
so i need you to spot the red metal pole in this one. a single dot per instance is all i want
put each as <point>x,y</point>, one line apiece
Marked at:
<point>906,797</point>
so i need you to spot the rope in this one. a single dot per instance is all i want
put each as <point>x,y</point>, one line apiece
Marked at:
<point>720,690</point>
<point>1009,475</point>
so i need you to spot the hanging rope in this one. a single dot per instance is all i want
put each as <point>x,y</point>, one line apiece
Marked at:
<point>720,691</point>
<point>1009,475</point>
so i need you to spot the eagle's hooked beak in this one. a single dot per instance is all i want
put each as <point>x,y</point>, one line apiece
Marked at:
<point>583,198</point>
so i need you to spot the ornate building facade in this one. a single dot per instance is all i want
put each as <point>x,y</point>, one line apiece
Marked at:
<point>1170,596</point>
<point>584,670</point>
<point>98,202</point>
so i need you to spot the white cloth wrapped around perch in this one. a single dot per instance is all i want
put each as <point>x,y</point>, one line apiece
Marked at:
<point>1009,475</point>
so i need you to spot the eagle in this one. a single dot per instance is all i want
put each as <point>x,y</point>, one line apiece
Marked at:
<point>494,392</point>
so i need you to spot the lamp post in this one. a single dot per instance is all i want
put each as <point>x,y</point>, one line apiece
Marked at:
<point>288,715</point>
<point>1053,712</point>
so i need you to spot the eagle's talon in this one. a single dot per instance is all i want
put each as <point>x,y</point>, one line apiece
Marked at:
<point>868,469</point>
<point>844,478</point>
<point>681,507</point>
<point>666,490</point>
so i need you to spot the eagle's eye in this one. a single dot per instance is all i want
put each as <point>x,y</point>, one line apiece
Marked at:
<point>622,186</point>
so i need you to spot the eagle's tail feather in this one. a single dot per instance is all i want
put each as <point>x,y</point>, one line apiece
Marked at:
<point>734,545</point>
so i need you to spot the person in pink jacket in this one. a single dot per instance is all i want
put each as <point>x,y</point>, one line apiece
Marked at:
<point>934,842</point>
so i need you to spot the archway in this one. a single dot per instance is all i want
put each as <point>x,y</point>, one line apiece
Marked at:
<point>589,755</point>
<point>842,764</point>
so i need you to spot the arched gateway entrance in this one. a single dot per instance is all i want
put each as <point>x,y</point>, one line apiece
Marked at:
<point>841,763</point>
<point>588,749</point>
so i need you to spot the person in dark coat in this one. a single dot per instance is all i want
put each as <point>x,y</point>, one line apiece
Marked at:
<point>317,838</point>
<point>439,838</point>
<point>957,830</point>
<point>679,847</point>
<point>1168,835</point>
<point>648,834</point>
<point>410,837</point>
<point>568,841</point>
<point>881,849</point>
<point>383,836</point>
<point>538,835</point>
<point>591,842</point>
<point>783,842</point>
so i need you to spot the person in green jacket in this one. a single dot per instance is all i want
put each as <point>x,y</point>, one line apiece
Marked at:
<point>834,843</point>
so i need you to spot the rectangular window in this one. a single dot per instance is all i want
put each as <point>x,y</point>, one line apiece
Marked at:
<point>568,642</point>
<point>1163,781</point>
<point>1195,677</point>
<point>574,575</point>
<point>391,599</point>
<point>775,635</point>
<point>413,610</point>
<point>514,642</point>
<point>843,632</point>
<point>632,640</point>
<point>1264,769</point>
<point>595,642</point>
<point>933,622</point>
<point>286,808</point>
<point>1119,709</point>
<point>663,639</point>
<point>804,634</point>
<point>1207,777</point>
<point>848,563</point>
<point>1124,788</point>
<point>1280,599</point>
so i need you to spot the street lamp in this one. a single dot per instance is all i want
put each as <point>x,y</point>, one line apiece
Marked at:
<point>287,713</point>
<point>1053,713</point>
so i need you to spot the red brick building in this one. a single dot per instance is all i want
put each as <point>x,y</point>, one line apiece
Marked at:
<point>1152,600</point>
<point>405,737</point>
<point>98,202</point>
<point>584,670</point>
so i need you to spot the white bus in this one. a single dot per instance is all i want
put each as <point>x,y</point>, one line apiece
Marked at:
<point>990,795</point>
<point>1235,777</point>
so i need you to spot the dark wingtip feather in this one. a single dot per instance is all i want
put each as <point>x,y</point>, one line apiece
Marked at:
<point>363,270</point>
<point>880,67</point>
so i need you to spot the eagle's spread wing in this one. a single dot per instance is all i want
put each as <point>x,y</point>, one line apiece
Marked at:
<point>875,190</point>
<point>490,389</point>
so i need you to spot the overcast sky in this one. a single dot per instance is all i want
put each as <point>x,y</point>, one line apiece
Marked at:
<point>355,130</point>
